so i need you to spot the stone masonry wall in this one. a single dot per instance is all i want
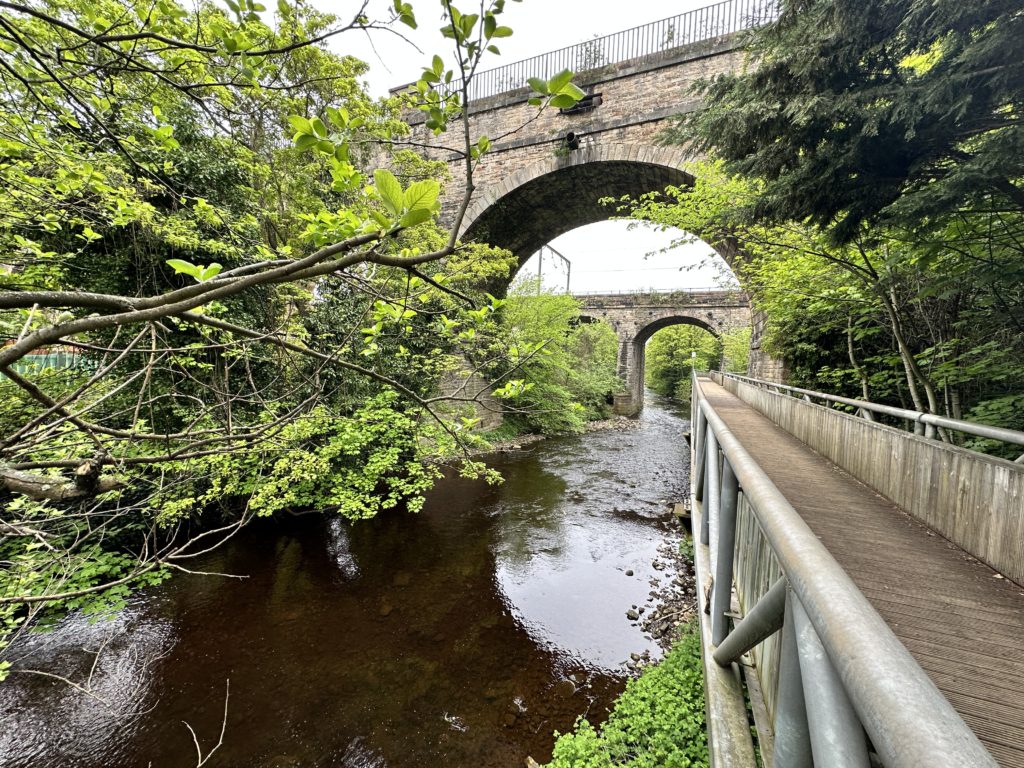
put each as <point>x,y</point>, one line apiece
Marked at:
<point>637,97</point>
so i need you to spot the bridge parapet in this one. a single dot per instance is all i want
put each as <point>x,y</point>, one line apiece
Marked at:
<point>684,297</point>
<point>651,43</point>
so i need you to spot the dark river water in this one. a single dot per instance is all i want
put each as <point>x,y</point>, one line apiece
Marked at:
<point>461,636</point>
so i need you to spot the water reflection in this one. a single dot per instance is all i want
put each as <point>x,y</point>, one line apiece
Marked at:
<point>463,635</point>
<point>337,546</point>
<point>107,687</point>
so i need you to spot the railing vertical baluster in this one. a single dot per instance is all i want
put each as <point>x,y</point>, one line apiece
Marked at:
<point>792,735</point>
<point>711,489</point>
<point>646,40</point>
<point>837,737</point>
<point>700,454</point>
<point>722,588</point>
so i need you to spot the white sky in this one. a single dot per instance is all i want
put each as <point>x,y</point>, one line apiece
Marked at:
<point>607,255</point>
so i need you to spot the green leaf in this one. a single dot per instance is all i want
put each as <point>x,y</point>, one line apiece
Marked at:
<point>405,13</point>
<point>300,124</point>
<point>414,217</point>
<point>502,32</point>
<point>540,86</point>
<point>574,91</point>
<point>563,101</point>
<point>389,189</point>
<point>304,141</point>
<point>210,272</point>
<point>467,22</point>
<point>559,81</point>
<point>421,195</point>
<point>181,266</point>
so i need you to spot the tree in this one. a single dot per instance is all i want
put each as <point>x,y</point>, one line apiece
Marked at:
<point>897,111</point>
<point>181,190</point>
<point>930,324</point>
<point>674,353</point>
<point>568,368</point>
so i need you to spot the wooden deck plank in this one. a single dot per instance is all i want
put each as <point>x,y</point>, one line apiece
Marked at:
<point>964,625</point>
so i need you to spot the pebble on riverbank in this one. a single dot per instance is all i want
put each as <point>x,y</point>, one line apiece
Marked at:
<point>673,600</point>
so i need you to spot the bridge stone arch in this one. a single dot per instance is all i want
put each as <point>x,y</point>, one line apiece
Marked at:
<point>555,195</point>
<point>637,317</point>
<point>531,187</point>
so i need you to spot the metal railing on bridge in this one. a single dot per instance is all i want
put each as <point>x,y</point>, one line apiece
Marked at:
<point>925,424</point>
<point>645,41</point>
<point>662,291</point>
<point>842,672</point>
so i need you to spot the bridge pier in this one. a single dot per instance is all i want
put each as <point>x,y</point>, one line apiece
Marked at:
<point>624,404</point>
<point>630,369</point>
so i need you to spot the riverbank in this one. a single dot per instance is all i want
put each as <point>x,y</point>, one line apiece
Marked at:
<point>674,597</point>
<point>660,718</point>
<point>518,442</point>
<point>465,634</point>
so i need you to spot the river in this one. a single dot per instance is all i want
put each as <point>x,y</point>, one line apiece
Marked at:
<point>462,636</point>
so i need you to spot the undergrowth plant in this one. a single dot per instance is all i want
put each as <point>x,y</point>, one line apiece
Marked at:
<point>658,722</point>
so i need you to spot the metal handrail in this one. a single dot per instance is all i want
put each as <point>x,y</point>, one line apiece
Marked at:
<point>646,291</point>
<point>1012,436</point>
<point>646,40</point>
<point>909,721</point>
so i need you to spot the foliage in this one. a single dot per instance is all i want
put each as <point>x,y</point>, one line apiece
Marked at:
<point>381,456</point>
<point>927,321</point>
<point>673,353</point>
<point>259,316</point>
<point>860,111</point>
<point>1006,412</point>
<point>658,722</point>
<point>568,368</point>
<point>736,350</point>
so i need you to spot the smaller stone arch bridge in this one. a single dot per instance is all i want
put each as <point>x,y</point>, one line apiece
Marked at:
<point>638,316</point>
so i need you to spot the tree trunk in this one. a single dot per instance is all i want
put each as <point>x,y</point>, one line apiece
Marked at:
<point>861,373</point>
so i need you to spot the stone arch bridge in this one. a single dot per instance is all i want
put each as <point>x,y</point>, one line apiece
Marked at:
<point>636,317</point>
<point>533,185</point>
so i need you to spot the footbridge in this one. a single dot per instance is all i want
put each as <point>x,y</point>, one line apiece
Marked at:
<point>862,581</point>
<point>638,315</point>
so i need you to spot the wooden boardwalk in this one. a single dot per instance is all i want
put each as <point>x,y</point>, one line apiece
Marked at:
<point>962,622</point>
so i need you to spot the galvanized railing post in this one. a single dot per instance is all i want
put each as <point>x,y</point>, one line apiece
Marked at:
<point>837,737</point>
<point>712,488</point>
<point>721,591</point>
<point>792,734</point>
<point>699,452</point>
